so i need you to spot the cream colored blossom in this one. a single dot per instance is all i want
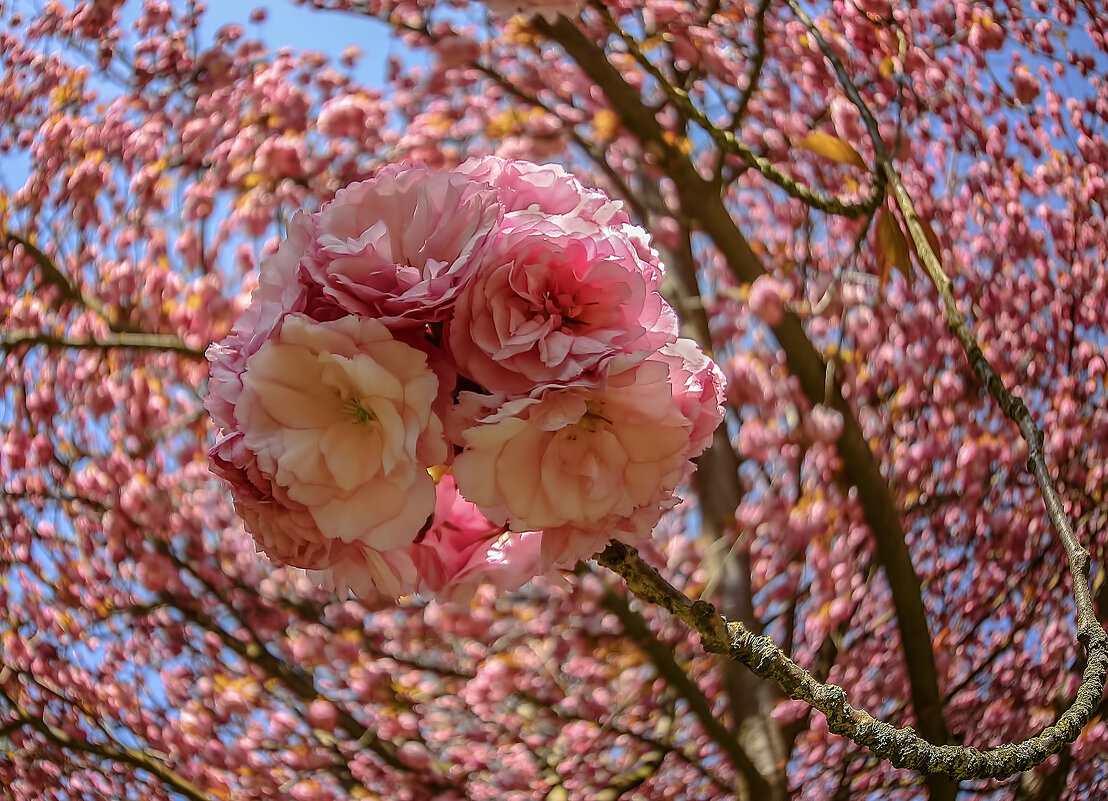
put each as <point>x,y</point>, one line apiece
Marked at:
<point>339,415</point>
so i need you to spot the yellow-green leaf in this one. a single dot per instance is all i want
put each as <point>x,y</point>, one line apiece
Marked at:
<point>832,147</point>
<point>892,247</point>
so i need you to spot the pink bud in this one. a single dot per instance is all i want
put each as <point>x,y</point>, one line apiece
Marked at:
<point>1024,84</point>
<point>767,300</point>
<point>322,715</point>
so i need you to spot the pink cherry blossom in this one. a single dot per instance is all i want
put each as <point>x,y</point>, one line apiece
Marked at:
<point>281,157</point>
<point>747,381</point>
<point>456,50</point>
<point>699,389</point>
<point>824,424</point>
<point>399,246</point>
<point>551,301</point>
<point>346,116</point>
<point>767,300</point>
<point>462,549</point>
<point>1025,85</point>
<point>339,415</point>
<point>577,456</point>
<point>544,188</point>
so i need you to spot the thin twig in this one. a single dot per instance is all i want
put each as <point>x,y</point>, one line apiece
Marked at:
<point>754,66</point>
<point>727,142</point>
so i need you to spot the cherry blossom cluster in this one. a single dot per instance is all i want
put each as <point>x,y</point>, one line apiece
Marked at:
<point>449,377</point>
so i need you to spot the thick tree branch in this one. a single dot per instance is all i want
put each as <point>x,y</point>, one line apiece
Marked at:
<point>1090,631</point>
<point>902,747</point>
<point>702,204</point>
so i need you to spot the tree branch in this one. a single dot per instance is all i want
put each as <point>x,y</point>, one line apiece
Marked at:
<point>128,340</point>
<point>700,202</point>
<point>121,754</point>
<point>50,271</point>
<point>902,747</point>
<point>727,142</point>
<point>1090,631</point>
<point>666,663</point>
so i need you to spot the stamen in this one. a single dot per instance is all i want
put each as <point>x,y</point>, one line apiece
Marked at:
<point>354,408</point>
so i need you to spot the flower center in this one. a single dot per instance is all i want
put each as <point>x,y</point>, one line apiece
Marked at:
<point>358,413</point>
<point>565,309</point>
<point>593,419</point>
